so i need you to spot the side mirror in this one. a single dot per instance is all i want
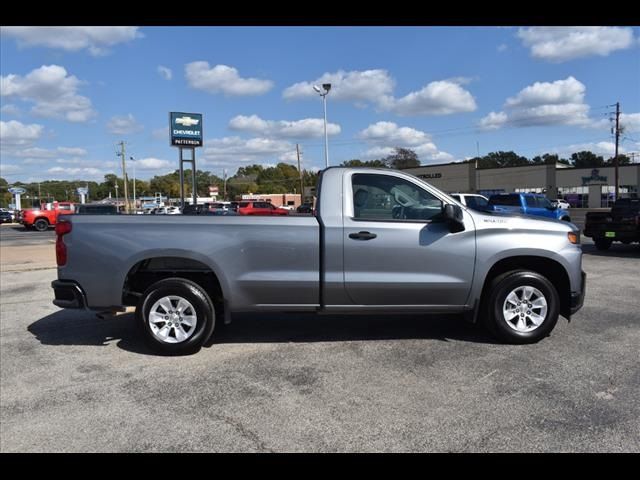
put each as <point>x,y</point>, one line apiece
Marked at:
<point>452,214</point>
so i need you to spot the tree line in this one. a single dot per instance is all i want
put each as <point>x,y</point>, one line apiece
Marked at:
<point>283,178</point>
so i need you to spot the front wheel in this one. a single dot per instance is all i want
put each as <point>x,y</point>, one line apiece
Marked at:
<point>523,307</point>
<point>566,219</point>
<point>603,243</point>
<point>41,225</point>
<point>176,316</point>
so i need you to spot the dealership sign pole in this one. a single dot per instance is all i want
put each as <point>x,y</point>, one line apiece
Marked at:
<point>17,192</point>
<point>186,133</point>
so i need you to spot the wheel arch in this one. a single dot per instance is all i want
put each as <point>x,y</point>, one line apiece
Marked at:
<point>548,268</point>
<point>152,268</point>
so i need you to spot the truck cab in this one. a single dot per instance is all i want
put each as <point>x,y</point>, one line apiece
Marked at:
<point>528,204</point>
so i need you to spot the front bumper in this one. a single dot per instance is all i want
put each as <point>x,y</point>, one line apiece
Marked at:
<point>577,298</point>
<point>68,294</point>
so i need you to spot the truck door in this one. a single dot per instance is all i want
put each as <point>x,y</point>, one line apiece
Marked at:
<point>397,251</point>
<point>537,206</point>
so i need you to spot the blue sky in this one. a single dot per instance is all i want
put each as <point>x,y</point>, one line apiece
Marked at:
<point>68,95</point>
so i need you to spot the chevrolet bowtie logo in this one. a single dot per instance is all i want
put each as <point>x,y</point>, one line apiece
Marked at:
<point>187,121</point>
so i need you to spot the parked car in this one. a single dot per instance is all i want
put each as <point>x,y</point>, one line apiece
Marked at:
<point>6,217</point>
<point>305,208</point>
<point>473,200</point>
<point>527,204</point>
<point>185,275</point>
<point>621,224</point>
<point>560,203</point>
<point>220,206</point>
<point>198,209</point>
<point>45,216</point>
<point>222,212</point>
<point>96,209</point>
<point>166,211</point>
<point>260,208</point>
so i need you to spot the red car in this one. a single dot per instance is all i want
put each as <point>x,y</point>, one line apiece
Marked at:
<point>260,208</point>
<point>45,216</point>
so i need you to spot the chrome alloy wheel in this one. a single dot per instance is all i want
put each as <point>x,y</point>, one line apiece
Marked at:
<point>525,309</point>
<point>172,319</point>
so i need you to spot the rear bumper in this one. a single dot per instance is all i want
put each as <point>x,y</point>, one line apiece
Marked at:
<point>577,298</point>
<point>68,294</point>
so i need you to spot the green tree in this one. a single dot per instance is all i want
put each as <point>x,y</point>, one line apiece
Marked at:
<point>5,196</point>
<point>368,163</point>
<point>502,159</point>
<point>622,160</point>
<point>402,158</point>
<point>586,159</point>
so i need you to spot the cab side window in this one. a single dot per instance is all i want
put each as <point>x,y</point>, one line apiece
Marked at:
<point>389,198</point>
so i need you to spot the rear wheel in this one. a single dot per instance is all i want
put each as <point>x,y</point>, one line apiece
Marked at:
<point>41,225</point>
<point>603,243</point>
<point>176,316</point>
<point>523,307</point>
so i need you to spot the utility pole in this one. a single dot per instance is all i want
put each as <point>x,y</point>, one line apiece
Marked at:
<point>224,188</point>
<point>124,176</point>
<point>300,172</point>
<point>615,160</point>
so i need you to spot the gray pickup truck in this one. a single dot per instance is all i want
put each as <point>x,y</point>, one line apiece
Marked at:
<point>381,241</point>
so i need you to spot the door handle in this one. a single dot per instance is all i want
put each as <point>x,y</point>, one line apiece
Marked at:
<point>362,236</point>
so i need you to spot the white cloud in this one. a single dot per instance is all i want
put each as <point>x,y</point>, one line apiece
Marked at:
<point>122,125</point>
<point>14,133</point>
<point>76,172</point>
<point>76,151</point>
<point>223,79</point>
<point>154,164</point>
<point>94,39</point>
<point>231,152</point>
<point>630,122</point>
<point>38,152</point>
<point>386,136</point>
<point>10,109</point>
<point>53,91</point>
<point>436,98</point>
<point>165,72</point>
<point>389,132</point>
<point>502,47</point>
<point>366,86</point>
<point>9,169</point>
<point>305,128</point>
<point>493,121</point>
<point>605,149</point>
<point>543,103</point>
<point>376,87</point>
<point>560,44</point>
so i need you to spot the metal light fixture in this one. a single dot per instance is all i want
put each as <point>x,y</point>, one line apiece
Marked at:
<point>326,87</point>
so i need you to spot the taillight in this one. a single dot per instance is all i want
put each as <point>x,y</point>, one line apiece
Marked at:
<point>62,228</point>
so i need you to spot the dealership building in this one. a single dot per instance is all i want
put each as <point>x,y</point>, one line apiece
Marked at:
<point>581,187</point>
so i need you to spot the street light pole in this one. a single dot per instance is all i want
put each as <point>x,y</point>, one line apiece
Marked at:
<point>326,87</point>
<point>135,205</point>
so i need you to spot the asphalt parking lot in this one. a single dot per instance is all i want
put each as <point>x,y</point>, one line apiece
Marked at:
<point>73,382</point>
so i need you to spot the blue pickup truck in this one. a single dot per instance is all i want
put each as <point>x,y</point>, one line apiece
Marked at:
<point>527,204</point>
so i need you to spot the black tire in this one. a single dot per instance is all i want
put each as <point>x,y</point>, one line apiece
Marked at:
<point>566,219</point>
<point>603,243</point>
<point>501,287</point>
<point>41,225</point>
<point>192,293</point>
